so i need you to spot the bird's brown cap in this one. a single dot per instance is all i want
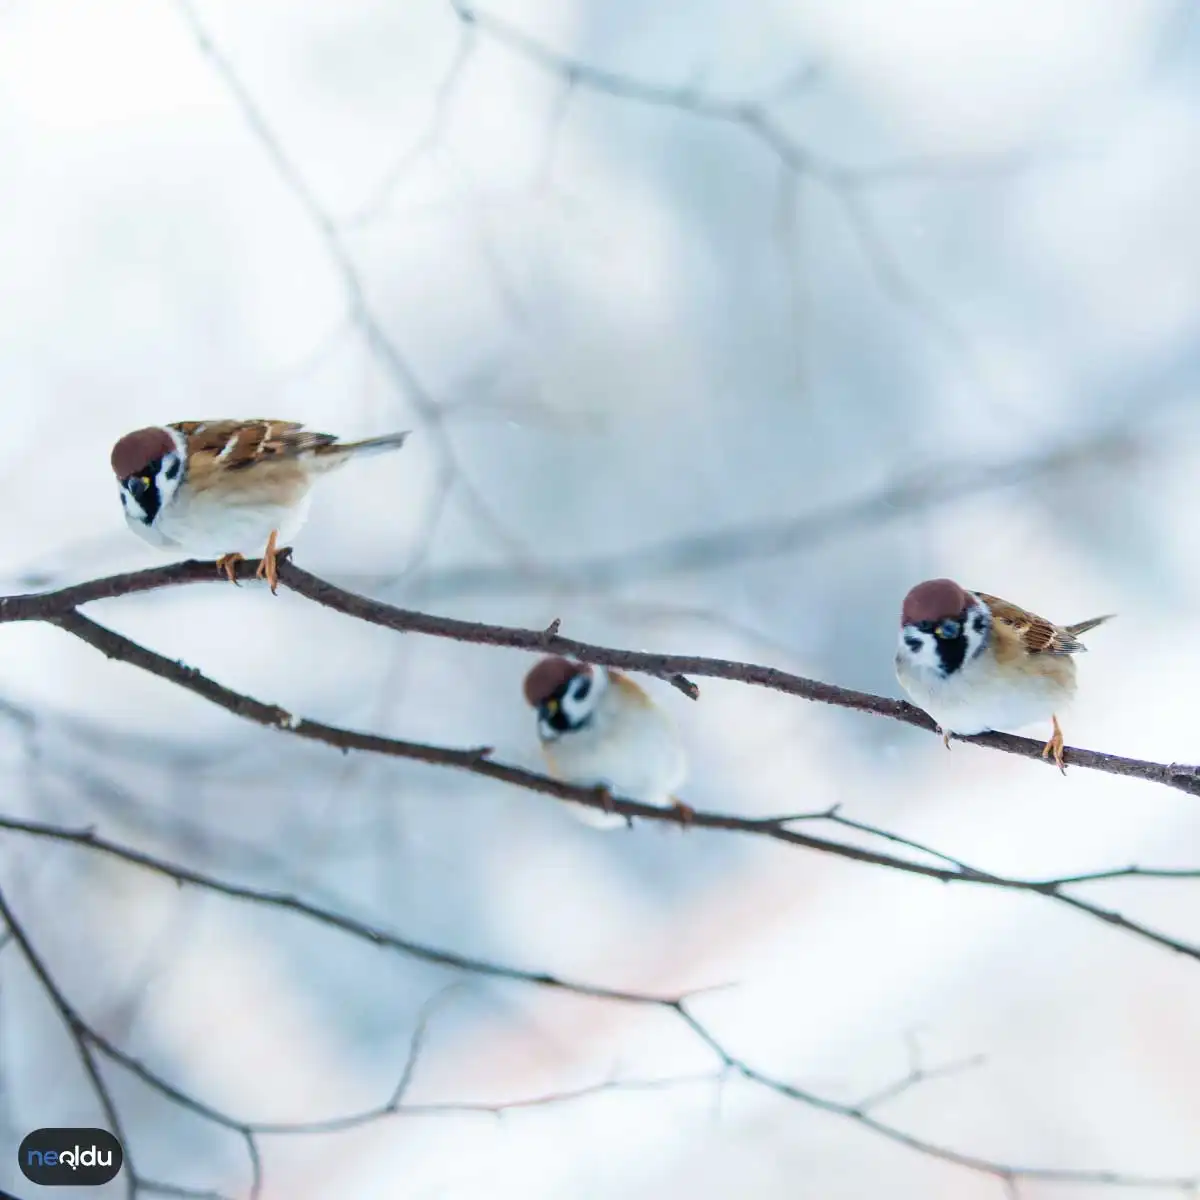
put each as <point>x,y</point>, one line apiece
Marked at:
<point>548,675</point>
<point>933,600</point>
<point>137,450</point>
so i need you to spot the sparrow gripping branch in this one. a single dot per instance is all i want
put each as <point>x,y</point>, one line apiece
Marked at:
<point>53,605</point>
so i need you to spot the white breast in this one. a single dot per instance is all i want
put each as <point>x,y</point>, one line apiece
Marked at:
<point>979,697</point>
<point>198,524</point>
<point>630,748</point>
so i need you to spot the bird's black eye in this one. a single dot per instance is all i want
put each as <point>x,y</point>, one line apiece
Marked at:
<point>948,629</point>
<point>582,688</point>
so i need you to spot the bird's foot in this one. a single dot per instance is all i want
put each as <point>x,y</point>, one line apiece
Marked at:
<point>1055,747</point>
<point>268,568</point>
<point>227,566</point>
<point>685,814</point>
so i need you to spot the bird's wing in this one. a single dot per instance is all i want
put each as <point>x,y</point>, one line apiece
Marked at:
<point>236,445</point>
<point>1037,635</point>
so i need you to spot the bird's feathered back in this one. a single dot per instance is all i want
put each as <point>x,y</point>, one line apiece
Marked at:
<point>238,444</point>
<point>1036,634</point>
<point>283,452</point>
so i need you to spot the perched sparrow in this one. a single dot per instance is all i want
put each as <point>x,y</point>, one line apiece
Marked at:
<point>598,728</point>
<point>227,489</point>
<point>975,662</point>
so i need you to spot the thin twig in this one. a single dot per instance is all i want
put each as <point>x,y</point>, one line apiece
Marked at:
<point>972,1162</point>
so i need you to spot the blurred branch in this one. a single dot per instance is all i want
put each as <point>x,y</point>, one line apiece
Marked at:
<point>917,1074</point>
<point>427,140</point>
<point>759,540</point>
<point>1008,1175</point>
<point>384,348</point>
<point>78,1030</point>
<point>678,1007</point>
<point>848,184</point>
<point>361,930</point>
<point>755,120</point>
<point>753,117</point>
<point>1130,872</point>
<point>396,1103</point>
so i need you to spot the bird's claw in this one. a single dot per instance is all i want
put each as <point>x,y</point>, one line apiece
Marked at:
<point>227,566</point>
<point>1055,747</point>
<point>268,567</point>
<point>685,814</point>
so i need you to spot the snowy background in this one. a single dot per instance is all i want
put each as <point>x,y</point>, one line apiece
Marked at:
<point>968,262</point>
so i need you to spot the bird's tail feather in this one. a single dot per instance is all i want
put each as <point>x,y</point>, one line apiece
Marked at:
<point>333,454</point>
<point>1084,626</point>
<point>387,441</point>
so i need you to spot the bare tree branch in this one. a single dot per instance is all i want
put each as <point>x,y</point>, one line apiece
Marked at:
<point>79,1033</point>
<point>849,186</point>
<point>752,116</point>
<point>375,935</point>
<point>678,1007</point>
<point>755,120</point>
<point>428,138</point>
<point>917,1074</point>
<point>88,1041</point>
<point>971,1162</point>
<point>58,607</point>
<point>476,760</point>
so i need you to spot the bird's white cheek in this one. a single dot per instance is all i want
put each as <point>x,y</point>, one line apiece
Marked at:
<point>132,510</point>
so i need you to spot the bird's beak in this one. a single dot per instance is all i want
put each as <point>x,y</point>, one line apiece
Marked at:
<point>552,706</point>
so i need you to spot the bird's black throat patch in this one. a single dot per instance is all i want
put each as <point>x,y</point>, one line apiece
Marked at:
<point>146,494</point>
<point>553,712</point>
<point>951,653</point>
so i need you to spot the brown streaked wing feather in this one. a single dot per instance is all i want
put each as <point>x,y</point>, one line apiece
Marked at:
<point>1037,635</point>
<point>238,444</point>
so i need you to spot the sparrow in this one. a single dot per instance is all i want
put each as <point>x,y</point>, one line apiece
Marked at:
<point>975,662</point>
<point>227,489</point>
<point>600,729</point>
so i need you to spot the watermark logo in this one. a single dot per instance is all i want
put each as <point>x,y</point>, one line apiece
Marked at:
<point>70,1157</point>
